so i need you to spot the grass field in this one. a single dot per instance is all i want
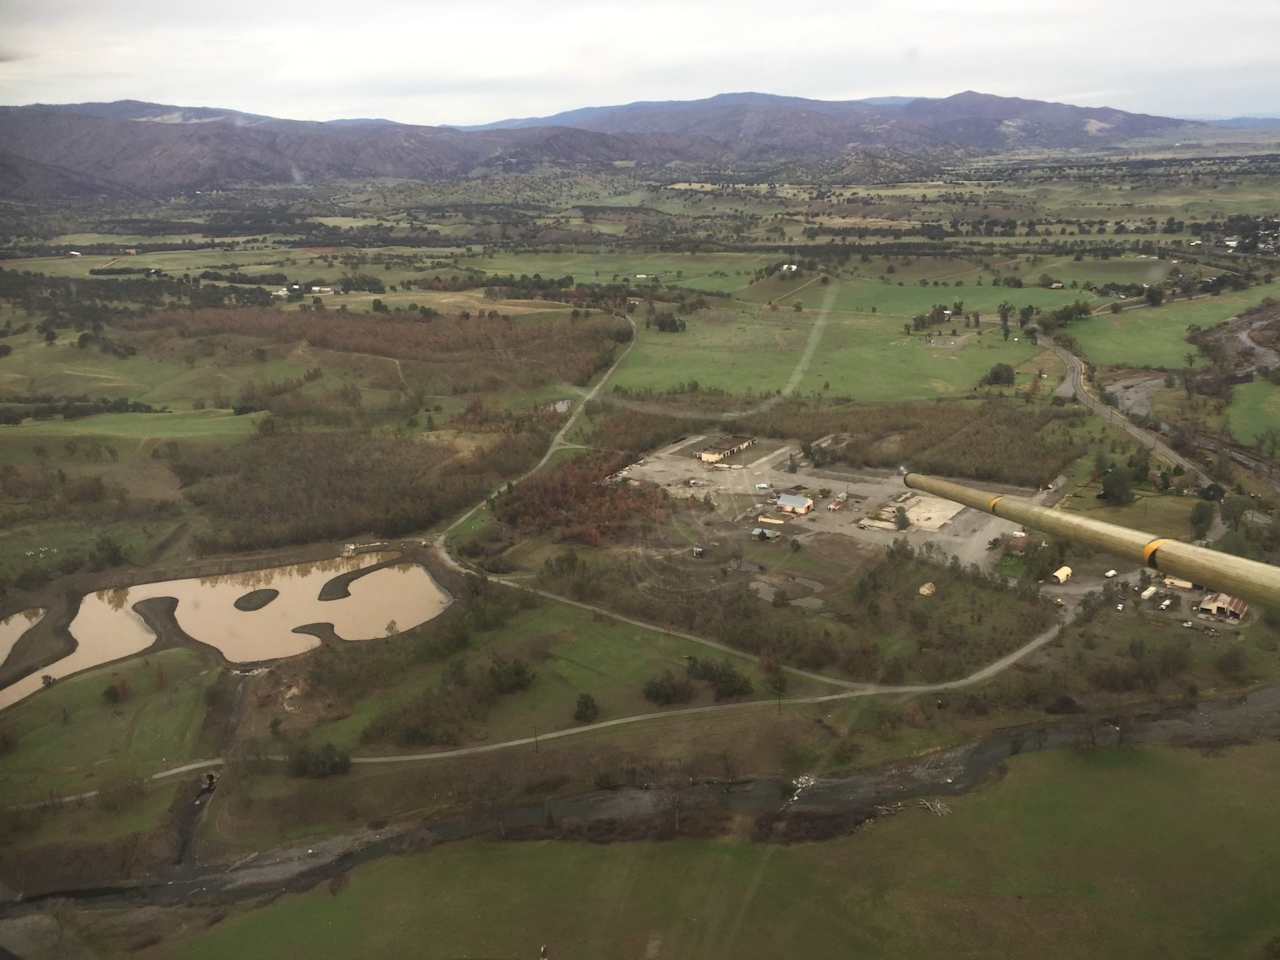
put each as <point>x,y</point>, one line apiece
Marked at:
<point>860,295</point>
<point>1255,408</point>
<point>68,739</point>
<point>1165,515</point>
<point>175,372</point>
<point>868,357</point>
<point>1156,337</point>
<point>1070,855</point>
<point>572,651</point>
<point>722,272</point>
<point>194,424</point>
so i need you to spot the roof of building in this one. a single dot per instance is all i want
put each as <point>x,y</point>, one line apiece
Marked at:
<point>794,500</point>
<point>1217,601</point>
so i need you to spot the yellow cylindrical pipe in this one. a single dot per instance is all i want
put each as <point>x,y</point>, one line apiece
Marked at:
<point>1258,582</point>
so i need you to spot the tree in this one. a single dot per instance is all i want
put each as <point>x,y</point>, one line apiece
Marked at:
<point>900,519</point>
<point>999,375</point>
<point>1155,296</point>
<point>587,709</point>
<point>1117,487</point>
<point>1233,664</point>
<point>1233,509</point>
<point>1201,519</point>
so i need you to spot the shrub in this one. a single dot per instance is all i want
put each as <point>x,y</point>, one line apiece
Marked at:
<point>326,761</point>
<point>509,676</point>
<point>725,679</point>
<point>668,689</point>
<point>587,710</point>
<point>1233,664</point>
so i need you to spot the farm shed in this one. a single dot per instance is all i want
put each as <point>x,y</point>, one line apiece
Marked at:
<point>794,503</point>
<point>1224,606</point>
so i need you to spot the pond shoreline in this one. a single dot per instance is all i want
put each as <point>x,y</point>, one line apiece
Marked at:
<point>157,621</point>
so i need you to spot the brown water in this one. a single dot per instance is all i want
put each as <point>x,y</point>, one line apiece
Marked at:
<point>13,627</point>
<point>392,599</point>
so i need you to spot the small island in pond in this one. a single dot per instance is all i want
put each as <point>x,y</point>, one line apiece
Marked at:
<point>256,599</point>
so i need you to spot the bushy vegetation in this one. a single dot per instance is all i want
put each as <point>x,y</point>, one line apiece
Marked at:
<point>291,487</point>
<point>478,352</point>
<point>324,761</point>
<point>973,620</point>
<point>576,501</point>
<point>998,440</point>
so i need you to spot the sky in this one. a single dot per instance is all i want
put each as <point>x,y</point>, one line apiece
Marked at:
<point>474,61</point>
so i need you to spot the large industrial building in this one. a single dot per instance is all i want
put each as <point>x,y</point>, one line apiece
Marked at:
<point>722,448</point>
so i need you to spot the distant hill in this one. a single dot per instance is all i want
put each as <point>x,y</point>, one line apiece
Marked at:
<point>134,148</point>
<point>763,126</point>
<point>1248,123</point>
<point>159,149</point>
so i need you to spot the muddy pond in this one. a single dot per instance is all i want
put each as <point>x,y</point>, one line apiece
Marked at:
<point>13,627</point>
<point>274,604</point>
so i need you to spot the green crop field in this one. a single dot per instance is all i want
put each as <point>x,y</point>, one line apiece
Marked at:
<point>68,739</point>
<point>1156,336</point>
<point>1255,409</point>
<point>1073,854</point>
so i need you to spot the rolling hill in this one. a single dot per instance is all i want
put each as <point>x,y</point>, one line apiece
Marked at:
<point>134,148</point>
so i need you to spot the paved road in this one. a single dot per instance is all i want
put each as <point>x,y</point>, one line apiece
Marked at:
<point>1080,388</point>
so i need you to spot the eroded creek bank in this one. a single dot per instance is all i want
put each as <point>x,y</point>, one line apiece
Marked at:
<point>774,809</point>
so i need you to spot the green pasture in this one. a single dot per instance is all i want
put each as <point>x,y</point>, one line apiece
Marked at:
<point>572,651</point>
<point>1099,271</point>
<point>190,424</point>
<point>1124,853</point>
<point>68,739</point>
<point>1255,409</point>
<point>66,535</point>
<point>1156,336</point>
<point>861,295</point>
<point>720,272</point>
<point>868,357</point>
<point>176,372</point>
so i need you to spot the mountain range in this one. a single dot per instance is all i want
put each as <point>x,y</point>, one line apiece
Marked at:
<point>130,147</point>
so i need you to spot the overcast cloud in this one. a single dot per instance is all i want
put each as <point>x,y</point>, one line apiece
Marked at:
<point>472,62</point>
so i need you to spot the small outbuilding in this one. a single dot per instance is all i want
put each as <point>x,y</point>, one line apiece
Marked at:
<point>1061,575</point>
<point>794,503</point>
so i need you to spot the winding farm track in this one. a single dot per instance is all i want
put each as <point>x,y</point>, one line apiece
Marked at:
<point>854,691</point>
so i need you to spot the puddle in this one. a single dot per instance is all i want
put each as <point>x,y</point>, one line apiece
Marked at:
<point>392,599</point>
<point>13,627</point>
